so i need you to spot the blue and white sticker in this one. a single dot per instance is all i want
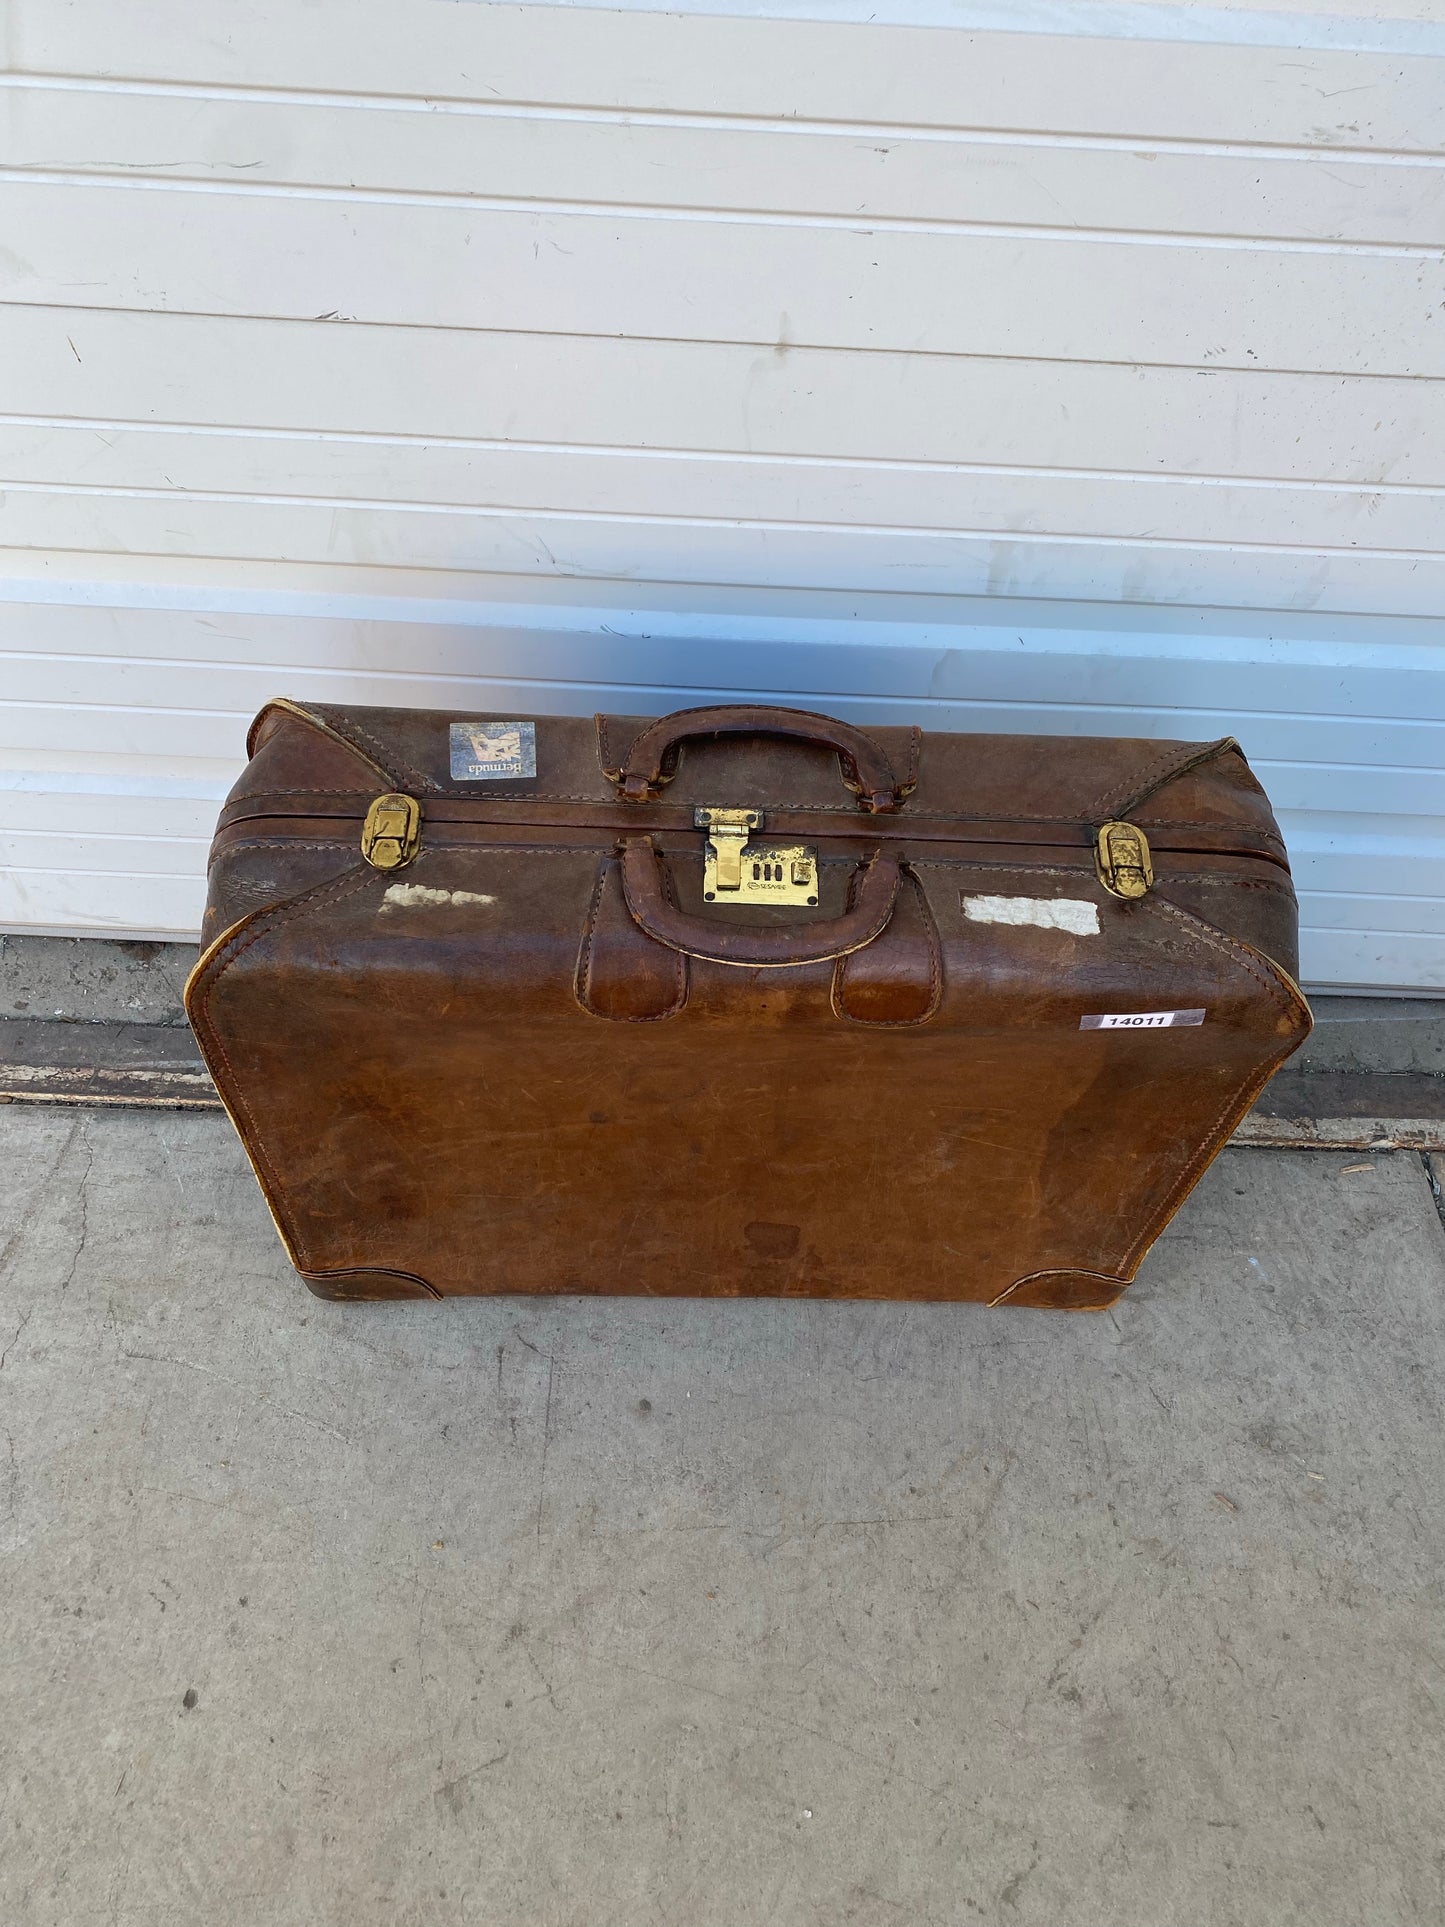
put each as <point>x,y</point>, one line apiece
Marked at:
<point>492,752</point>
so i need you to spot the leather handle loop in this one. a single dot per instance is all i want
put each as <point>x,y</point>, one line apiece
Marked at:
<point>651,763</point>
<point>874,895</point>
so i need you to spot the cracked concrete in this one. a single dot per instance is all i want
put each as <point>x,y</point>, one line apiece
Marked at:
<point>594,1612</point>
<point>93,979</point>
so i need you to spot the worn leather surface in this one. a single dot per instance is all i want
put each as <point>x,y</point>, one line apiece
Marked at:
<point>651,760</point>
<point>536,1060</point>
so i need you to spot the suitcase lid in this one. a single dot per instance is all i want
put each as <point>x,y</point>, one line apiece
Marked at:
<point>798,770</point>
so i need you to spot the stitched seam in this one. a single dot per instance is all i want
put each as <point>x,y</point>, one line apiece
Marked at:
<point>389,759</point>
<point>220,963</point>
<point>1157,774</point>
<point>283,843</point>
<point>318,722</point>
<point>271,843</point>
<point>1214,1140</point>
<point>1219,1130</point>
<point>377,1271</point>
<point>1227,883</point>
<point>1083,868</point>
<point>582,983</point>
<point>360,795</point>
<point>1119,796</point>
<point>1207,933</point>
<point>935,977</point>
<point>680,956</point>
<point>1084,871</point>
<point>1067,1271</point>
<point>870,823</point>
<point>1195,823</point>
<point>498,794</point>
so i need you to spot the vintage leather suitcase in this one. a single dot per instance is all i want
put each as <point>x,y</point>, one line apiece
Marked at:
<point>744,1001</point>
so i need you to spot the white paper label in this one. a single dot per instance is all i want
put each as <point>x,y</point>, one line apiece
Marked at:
<point>1143,1020</point>
<point>1075,914</point>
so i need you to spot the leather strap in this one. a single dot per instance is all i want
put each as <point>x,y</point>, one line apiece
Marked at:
<point>897,979</point>
<point>622,973</point>
<point>874,895</point>
<point>651,763</point>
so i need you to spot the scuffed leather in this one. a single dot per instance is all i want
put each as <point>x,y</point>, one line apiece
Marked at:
<point>651,759</point>
<point>449,1076</point>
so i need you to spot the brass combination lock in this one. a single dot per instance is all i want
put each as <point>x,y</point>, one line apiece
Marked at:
<point>736,870</point>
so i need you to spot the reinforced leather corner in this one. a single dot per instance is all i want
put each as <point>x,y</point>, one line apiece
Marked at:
<point>1064,1291</point>
<point>361,1287</point>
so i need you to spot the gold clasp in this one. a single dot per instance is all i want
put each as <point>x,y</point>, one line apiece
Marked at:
<point>744,872</point>
<point>391,835</point>
<point>1121,855</point>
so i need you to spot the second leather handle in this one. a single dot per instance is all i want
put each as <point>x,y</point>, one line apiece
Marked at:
<point>866,770</point>
<point>874,895</point>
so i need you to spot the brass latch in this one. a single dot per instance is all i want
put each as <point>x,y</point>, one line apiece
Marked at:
<point>739,871</point>
<point>391,835</point>
<point>1121,855</point>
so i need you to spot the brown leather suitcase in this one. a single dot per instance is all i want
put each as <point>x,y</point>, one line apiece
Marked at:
<point>743,1001</point>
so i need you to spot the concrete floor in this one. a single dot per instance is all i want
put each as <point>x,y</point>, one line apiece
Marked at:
<point>575,1613</point>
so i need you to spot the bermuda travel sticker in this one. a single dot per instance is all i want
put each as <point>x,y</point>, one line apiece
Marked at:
<point>482,751</point>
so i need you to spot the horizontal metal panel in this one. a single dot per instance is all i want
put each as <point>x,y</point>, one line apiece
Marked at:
<point>863,557</point>
<point>152,245</point>
<point>522,154</point>
<point>106,851</point>
<point>1386,699</point>
<point>98,902</point>
<point>762,490</point>
<point>1388,960</point>
<point>438,385</point>
<point>1327,685</point>
<point>874,74</point>
<point>113,818</point>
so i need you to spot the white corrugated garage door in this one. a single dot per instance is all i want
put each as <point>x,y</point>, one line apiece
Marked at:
<point>1087,376</point>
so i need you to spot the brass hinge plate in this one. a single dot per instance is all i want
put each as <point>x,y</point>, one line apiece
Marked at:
<point>1121,855</point>
<point>736,870</point>
<point>391,834</point>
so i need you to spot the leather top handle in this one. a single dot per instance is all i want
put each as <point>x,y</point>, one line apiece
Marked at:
<point>651,762</point>
<point>874,895</point>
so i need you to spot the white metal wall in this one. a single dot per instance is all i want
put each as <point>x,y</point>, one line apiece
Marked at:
<point>1086,376</point>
